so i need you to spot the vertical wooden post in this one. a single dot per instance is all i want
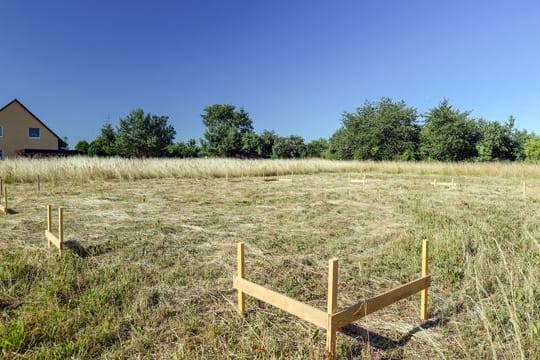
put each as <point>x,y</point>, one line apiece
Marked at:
<point>49,223</point>
<point>1,186</point>
<point>61,228</point>
<point>38,184</point>
<point>331,332</point>
<point>425,271</point>
<point>5,200</point>
<point>241,274</point>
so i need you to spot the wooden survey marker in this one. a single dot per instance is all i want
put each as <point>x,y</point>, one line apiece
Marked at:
<point>436,183</point>
<point>530,189</point>
<point>57,241</point>
<point>4,202</point>
<point>332,319</point>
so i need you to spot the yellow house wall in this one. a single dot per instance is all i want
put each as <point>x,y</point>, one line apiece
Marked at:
<point>15,121</point>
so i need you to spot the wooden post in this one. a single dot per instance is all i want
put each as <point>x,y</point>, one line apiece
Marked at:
<point>1,186</point>
<point>5,200</point>
<point>61,228</point>
<point>38,184</point>
<point>425,271</point>
<point>49,223</point>
<point>331,332</point>
<point>241,274</point>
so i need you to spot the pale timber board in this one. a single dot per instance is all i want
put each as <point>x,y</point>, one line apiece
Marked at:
<point>53,239</point>
<point>363,308</point>
<point>444,184</point>
<point>303,311</point>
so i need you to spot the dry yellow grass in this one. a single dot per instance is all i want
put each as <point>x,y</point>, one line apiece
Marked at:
<point>85,168</point>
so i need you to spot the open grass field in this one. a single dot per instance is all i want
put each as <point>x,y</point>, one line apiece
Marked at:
<point>152,251</point>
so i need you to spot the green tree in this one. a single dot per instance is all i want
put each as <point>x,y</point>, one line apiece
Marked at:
<point>341,145</point>
<point>267,139</point>
<point>225,128</point>
<point>448,134</point>
<point>521,138</point>
<point>316,148</point>
<point>289,147</point>
<point>104,144</point>
<point>251,144</point>
<point>532,149</point>
<point>143,135</point>
<point>181,149</point>
<point>82,147</point>
<point>497,141</point>
<point>383,130</point>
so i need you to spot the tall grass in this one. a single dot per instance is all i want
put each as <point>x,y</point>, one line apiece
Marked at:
<point>85,168</point>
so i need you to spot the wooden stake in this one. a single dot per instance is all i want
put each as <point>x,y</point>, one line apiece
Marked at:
<point>241,274</point>
<point>61,228</point>
<point>331,308</point>
<point>425,270</point>
<point>1,186</point>
<point>38,184</point>
<point>49,223</point>
<point>5,200</point>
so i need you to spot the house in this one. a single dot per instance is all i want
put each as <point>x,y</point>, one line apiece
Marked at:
<point>22,133</point>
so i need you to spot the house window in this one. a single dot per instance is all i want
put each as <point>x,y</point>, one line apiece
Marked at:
<point>1,131</point>
<point>1,155</point>
<point>33,133</point>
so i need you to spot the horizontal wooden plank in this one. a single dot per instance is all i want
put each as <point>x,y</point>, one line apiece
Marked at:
<point>366,307</point>
<point>284,179</point>
<point>53,239</point>
<point>357,181</point>
<point>297,308</point>
<point>444,184</point>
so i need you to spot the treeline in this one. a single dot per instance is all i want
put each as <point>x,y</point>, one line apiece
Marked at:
<point>381,130</point>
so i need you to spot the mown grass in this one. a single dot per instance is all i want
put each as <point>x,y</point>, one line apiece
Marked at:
<point>148,272</point>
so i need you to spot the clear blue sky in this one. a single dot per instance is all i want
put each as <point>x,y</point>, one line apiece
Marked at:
<point>295,66</point>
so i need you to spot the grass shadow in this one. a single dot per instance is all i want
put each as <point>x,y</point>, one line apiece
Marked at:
<point>84,252</point>
<point>384,343</point>
<point>381,342</point>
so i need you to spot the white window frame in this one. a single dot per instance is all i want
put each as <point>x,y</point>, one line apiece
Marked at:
<point>34,137</point>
